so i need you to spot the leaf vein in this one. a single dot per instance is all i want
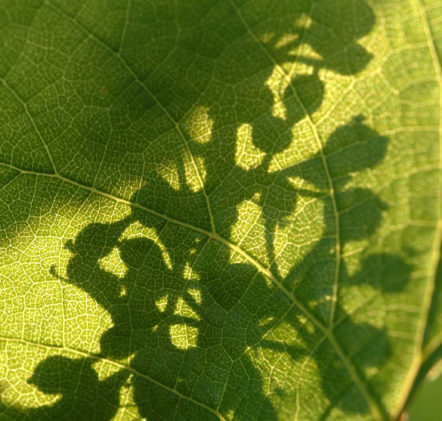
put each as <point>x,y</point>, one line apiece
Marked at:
<point>149,92</point>
<point>117,364</point>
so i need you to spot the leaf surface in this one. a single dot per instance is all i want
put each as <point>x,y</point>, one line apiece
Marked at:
<point>218,209</point>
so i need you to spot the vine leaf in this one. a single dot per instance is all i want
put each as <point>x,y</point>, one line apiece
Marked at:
<point>218,209</point>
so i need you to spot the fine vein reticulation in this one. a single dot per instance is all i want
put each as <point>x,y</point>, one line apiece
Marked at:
<point>216,210</point>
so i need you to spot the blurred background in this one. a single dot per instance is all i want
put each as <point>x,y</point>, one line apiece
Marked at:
<point>426,405</point>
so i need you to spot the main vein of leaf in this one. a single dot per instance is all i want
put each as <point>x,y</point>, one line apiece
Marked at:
<point>319,145</point>
<point>420,352</point>
<point>126,367</point>
<point>215,236</point>
<point>374,404</point>
<point>151,95</point>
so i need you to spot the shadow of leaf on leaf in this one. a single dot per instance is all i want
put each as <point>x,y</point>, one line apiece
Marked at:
<point>191,336</point>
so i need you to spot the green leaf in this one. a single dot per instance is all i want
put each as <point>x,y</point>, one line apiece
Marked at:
<point>218,209</point>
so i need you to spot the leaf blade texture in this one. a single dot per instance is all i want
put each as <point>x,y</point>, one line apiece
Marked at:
<point>218,209</point>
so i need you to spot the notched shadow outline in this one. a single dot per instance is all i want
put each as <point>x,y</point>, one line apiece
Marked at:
<point>233,312</point>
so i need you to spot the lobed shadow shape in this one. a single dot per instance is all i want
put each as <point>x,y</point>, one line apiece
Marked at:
<point>365,344</point>
<point>231,303</point>
<point>142,327</point>
<point>231,308</point>
<point>83,395</point>
<point>362,214</point>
